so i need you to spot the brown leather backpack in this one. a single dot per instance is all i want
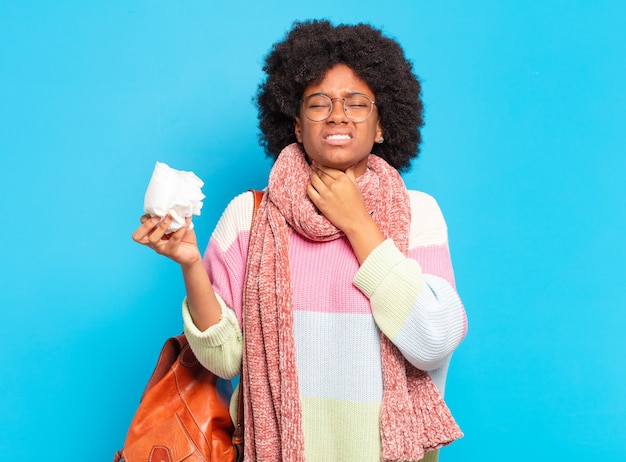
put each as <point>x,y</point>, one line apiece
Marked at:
<point>183,414</point>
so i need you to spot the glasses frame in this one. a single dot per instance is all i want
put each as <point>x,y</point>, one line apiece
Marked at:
<point>330,110</point>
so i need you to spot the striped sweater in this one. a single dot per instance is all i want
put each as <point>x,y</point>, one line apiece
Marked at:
<point>339,308</point>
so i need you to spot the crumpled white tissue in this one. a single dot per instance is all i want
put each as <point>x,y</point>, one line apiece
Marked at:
<point>173,192</point>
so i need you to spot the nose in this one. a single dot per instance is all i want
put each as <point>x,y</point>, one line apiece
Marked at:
<point>337,110</point>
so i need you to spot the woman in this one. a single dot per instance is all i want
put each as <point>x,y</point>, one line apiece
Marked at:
<point>343,284</point>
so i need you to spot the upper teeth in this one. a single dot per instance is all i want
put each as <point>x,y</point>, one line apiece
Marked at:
<point>339,137</point>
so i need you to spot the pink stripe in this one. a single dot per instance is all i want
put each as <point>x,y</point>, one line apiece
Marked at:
<point>435,260</point>
<point>226,269</point>
<point>331,266</point>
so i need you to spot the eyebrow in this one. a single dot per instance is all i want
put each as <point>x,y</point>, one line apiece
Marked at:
<point>354,93</point>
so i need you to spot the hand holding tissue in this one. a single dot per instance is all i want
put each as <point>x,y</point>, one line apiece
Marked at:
<point>173,192</point>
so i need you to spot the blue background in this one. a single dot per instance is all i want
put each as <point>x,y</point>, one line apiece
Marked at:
<point>523,148</point>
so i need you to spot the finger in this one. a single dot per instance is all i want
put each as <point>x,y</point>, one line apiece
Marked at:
<point>159,230</point>
<point>182,230</point>
<point>317,182</point>
<point>177,236</point>
<point>147,226</point>
<point>312,192</point>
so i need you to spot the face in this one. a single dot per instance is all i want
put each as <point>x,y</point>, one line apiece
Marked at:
<point>338,142</point>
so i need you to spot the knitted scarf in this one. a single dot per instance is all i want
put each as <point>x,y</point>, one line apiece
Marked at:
<point>414,417</point>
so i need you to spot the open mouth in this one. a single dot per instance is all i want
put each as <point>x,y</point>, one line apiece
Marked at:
<point>338,137</point>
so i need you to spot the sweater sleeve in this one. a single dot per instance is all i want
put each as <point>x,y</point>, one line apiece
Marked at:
<point>219,348</point>
<point>413,298</point>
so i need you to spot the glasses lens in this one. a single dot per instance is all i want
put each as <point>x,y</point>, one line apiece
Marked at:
<point>317,107</point>
<point>358,108</point>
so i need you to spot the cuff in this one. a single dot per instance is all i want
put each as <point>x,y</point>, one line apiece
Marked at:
<point>378,264</point>
<point>215,335</point>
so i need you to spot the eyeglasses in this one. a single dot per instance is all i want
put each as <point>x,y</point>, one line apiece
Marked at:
<point>318,107</point>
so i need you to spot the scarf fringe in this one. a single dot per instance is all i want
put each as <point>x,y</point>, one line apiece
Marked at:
<point>437,427</point>
<point>414,417</point>
<point>398,429</point>
<point>421,412</point>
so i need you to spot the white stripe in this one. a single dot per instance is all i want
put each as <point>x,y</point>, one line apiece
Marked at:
<point>236,217</point>
<point>340,356</point>
<point>428,226</point>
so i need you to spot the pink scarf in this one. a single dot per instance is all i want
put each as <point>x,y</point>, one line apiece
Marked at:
<point>414,417</point>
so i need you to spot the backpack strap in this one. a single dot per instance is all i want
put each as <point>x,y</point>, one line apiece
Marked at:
<point>258,197</point>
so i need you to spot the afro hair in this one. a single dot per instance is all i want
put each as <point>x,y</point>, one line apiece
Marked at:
<point>308,51</point>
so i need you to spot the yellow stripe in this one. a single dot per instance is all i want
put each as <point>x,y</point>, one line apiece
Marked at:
<point>336,430</point>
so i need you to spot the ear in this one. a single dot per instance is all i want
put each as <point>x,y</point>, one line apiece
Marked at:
<point>297,129</point>
<point>379,131</point>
